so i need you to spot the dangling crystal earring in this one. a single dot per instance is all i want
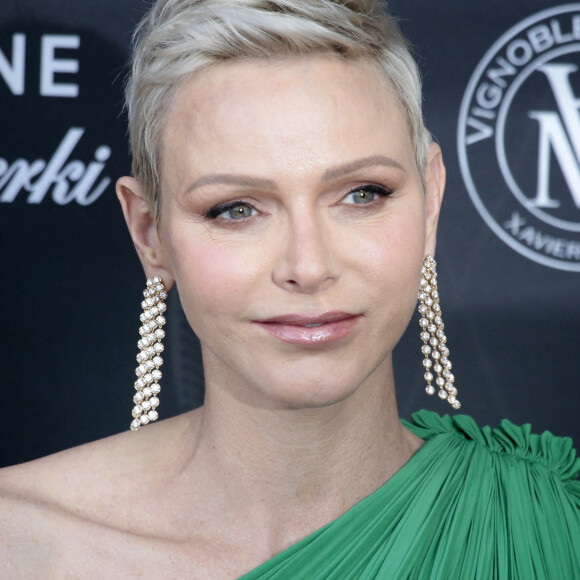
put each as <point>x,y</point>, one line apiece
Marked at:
<point>433,337</point>
<point>149,359</point>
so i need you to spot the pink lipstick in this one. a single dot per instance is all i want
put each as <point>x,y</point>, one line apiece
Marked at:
<point>310,330</point>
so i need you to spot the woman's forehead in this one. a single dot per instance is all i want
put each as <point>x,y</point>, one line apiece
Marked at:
<point>295,107</point>
<point>229,82</point>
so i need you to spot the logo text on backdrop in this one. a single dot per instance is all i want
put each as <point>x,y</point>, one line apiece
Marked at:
<point>519,137</point>
<point>66,179</point>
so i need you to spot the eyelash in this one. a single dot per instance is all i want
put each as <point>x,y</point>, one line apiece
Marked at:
<point>379,190</point>
<point>214,212</point>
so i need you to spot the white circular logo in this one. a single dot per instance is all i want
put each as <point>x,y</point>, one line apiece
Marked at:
<point>519,137</point>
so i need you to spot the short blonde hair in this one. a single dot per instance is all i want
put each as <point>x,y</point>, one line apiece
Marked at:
<point>178,38</point>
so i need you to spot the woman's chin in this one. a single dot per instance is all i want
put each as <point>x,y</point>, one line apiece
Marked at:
<point>311,394</point>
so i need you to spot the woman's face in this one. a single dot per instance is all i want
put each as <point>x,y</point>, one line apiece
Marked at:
<point>294,223</point>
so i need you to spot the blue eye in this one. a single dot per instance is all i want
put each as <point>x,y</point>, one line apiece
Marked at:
<point>366,194</point>
<point>235,210</point>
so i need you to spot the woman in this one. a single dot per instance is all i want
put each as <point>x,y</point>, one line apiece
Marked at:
<point>284,181</point>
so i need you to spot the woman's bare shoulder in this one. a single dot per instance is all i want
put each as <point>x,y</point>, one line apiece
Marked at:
<point>95,479</point>
<point>84,491</point>
<point>93,508</point>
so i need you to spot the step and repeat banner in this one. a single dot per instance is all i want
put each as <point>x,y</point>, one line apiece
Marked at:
<point>502,97</point>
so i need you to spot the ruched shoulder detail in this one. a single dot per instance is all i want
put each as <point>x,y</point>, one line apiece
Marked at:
<point>555,453</point>
<point>472,503</point>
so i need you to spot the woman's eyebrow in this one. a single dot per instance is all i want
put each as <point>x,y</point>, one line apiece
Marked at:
<point>263,183</point>
<point>351,166</point>
<point>232,179</point>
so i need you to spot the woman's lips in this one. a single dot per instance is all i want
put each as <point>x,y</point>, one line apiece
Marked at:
<point>310,330</point>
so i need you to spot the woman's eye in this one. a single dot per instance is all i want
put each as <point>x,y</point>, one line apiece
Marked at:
<point>366,194</point>
<point>232,211</point>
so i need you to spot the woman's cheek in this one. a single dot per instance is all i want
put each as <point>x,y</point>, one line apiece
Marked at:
<point>214,269</point>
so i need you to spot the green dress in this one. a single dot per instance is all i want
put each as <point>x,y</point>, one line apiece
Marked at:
<point>471,503</point>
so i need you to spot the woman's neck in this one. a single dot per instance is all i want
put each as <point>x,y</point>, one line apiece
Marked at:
<point>287,472</point>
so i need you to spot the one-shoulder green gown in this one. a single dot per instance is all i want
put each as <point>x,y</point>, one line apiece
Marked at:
<point>471,503</point>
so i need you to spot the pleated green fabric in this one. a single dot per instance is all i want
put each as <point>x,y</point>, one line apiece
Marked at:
<point>471,503</point>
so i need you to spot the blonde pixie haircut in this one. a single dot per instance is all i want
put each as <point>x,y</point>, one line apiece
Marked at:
<point>178,38</point>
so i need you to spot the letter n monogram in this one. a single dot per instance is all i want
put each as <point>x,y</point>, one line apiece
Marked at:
<point>560,133</point>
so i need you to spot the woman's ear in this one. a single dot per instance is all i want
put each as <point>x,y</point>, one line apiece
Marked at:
<point>435,176</point>
<point>143,230</point>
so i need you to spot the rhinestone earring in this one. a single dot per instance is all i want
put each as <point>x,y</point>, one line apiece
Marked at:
<point>434,347</point>
<point>149,359</point>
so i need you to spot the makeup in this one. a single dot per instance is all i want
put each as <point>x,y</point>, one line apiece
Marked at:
<point>296,329</point>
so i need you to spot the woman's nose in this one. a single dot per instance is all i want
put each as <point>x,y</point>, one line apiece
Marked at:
<point>307,262</point>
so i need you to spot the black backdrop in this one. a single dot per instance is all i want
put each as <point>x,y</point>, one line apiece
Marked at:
<point>70,282</point>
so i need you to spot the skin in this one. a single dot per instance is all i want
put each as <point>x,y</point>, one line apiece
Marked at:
<point>215,492</point>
